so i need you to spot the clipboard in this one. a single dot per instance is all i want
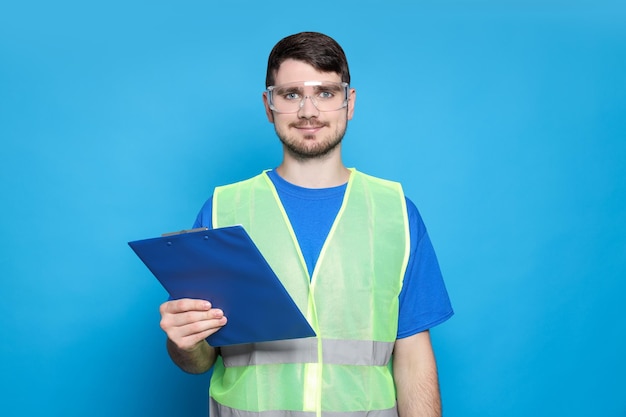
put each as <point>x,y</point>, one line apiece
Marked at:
<point>225,267</point>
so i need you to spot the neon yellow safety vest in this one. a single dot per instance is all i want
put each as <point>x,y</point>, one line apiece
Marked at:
<point>351,301</point>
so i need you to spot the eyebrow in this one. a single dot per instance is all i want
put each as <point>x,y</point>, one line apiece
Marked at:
<point>332,87</point>
<point>288,89</point>
<point>317,86</point>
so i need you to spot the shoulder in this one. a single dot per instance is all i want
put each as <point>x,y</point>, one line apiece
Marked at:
<point>205,216</point>
<point>416,223</point>
<point>377,180</point>
<point>241,183</point>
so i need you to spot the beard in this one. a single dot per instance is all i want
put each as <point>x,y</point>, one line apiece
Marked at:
<point>311,146</point>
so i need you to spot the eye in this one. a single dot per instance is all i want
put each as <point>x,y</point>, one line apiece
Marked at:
<point>326,95</point>
<point>291,96</point>
<point>288,94</point>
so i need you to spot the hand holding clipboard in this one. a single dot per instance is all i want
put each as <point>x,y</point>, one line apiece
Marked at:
<point>225,267</point>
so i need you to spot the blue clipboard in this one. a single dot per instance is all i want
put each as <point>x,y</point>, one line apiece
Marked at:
<point>225,267</point>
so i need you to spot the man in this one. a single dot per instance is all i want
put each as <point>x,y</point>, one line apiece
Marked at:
<point>351,250</point>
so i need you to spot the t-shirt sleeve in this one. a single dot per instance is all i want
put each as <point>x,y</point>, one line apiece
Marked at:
<point>205,216</point>
<point>424,300</point>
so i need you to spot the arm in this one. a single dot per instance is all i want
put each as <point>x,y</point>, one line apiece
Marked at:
<point>187,324</point>
<point>415,375</point>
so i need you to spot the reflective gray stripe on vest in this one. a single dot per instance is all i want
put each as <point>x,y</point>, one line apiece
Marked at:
<point>335,352</point>
<point>218,410</point>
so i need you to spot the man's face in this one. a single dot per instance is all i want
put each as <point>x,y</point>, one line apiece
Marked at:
<point>309,133</point>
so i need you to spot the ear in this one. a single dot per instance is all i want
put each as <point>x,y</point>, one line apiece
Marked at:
<point>268,111</point>
<point>351,102</point>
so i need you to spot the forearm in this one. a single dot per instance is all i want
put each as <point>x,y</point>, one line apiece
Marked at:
<point>420,396</point>
<point>196,361</point>
<point>415,375</point>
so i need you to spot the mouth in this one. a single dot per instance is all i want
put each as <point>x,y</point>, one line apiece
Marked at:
<point>308,127</point>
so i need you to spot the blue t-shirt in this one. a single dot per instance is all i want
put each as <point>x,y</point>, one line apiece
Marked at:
<point>424,301</point>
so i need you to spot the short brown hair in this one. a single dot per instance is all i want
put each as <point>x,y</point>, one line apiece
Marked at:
<point>316,49</point>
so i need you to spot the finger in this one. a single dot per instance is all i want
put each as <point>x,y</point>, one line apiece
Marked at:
<point>190,334</point>
<point>187,318</point>
<point>191,341</point>
<point>184,304</point>
<point>202,326</point>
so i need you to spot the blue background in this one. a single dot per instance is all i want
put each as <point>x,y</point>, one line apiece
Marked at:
<point>505,121</point>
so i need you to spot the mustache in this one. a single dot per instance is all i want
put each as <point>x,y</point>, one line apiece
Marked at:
<point>308,124</point>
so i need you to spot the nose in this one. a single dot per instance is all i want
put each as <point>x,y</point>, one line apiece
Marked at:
<point>308,108</point>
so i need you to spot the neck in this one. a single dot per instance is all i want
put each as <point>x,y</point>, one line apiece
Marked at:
<point>322,172</point>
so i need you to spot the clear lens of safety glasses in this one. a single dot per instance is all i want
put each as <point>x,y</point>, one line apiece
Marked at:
<point>325,96</point>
